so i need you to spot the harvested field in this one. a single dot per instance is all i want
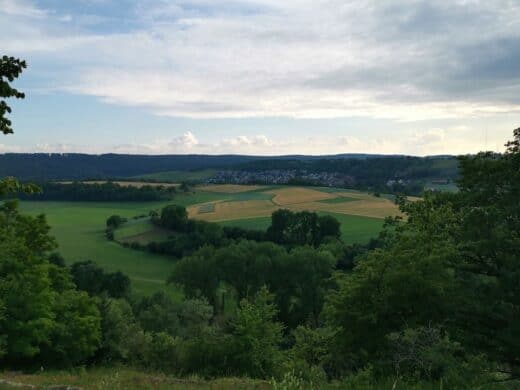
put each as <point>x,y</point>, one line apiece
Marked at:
<point>207,208</point>
<point>380,208</point>
<point>295,195</point>
<point>224,211</point>
<point>293,198</point>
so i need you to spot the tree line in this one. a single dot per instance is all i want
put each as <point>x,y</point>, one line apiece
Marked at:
<point>287,228</point>
<point>98,192</point>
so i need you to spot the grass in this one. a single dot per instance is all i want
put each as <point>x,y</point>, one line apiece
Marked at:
<point>179,176</point>
<point>142,231</point>
<point>79,230</point>
<point>123,378</point>
<point>79,227</point>
<point>340,199</point>
<point>356,229</point>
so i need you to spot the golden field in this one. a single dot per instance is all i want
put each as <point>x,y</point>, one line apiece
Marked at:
<point>293,198</point>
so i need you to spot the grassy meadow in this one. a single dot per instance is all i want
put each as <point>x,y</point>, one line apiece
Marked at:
<point>79,227</point>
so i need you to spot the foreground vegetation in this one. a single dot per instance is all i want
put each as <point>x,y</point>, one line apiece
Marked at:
<point>434,302</point>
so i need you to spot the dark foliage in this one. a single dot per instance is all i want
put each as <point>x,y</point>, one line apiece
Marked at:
<point>102,192</point>
<point>89,277</point>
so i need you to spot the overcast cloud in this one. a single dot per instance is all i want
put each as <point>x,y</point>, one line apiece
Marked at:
<point>403,60</point>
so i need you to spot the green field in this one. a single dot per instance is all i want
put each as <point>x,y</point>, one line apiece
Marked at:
<point>354,229</point>
<point>79,228</point>
<point>178,176</point>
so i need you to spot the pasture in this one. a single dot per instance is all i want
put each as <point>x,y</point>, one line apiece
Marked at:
<point>79,231</point>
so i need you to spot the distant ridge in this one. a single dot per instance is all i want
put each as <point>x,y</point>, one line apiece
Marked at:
<point>78,166</point>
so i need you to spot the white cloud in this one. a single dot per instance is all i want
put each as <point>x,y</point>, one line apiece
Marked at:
<point>408,60</point>
<point>449,140</point>
<point>21,8</point>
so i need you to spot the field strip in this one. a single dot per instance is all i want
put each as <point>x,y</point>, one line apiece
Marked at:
<point>234,210</point>
<point>296,195</point>
<point>363,208</point>
<point>194,209</point>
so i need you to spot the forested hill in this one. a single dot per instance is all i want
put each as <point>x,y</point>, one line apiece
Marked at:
<point>73,166</point>
<point>82,166</point>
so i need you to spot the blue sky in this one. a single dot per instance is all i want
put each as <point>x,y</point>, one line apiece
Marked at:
<point>263,76</point>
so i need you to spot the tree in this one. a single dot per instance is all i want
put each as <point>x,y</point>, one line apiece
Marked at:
<point>174,217</point>
<point>44,317</point>
<point>10,69</point>
<point>408,283</point>
<point>258,336</point>
<point>88,276</point>
<point>329,227</point>
<point>115,221</point>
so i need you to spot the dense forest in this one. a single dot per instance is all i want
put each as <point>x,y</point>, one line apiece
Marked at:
<point>45,167</point>
<point>435,303</point>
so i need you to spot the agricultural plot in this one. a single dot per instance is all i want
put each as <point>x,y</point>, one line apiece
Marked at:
<point>206,208</point>
<point>234,210</point>
<point>257,203</point>
<point>79,227</point>
<point>294,195</point>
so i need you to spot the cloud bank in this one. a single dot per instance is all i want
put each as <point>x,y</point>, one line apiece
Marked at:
<point>405,60</point>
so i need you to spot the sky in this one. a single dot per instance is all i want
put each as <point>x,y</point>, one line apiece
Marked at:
<point>263,77</point>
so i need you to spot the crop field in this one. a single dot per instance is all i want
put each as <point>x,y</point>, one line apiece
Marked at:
<point>257,203</point>
<point>79,227</point>
<point>295,195</point>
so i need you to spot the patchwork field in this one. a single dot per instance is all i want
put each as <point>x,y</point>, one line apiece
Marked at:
<point>79,226</point>
<point>293,198</point>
